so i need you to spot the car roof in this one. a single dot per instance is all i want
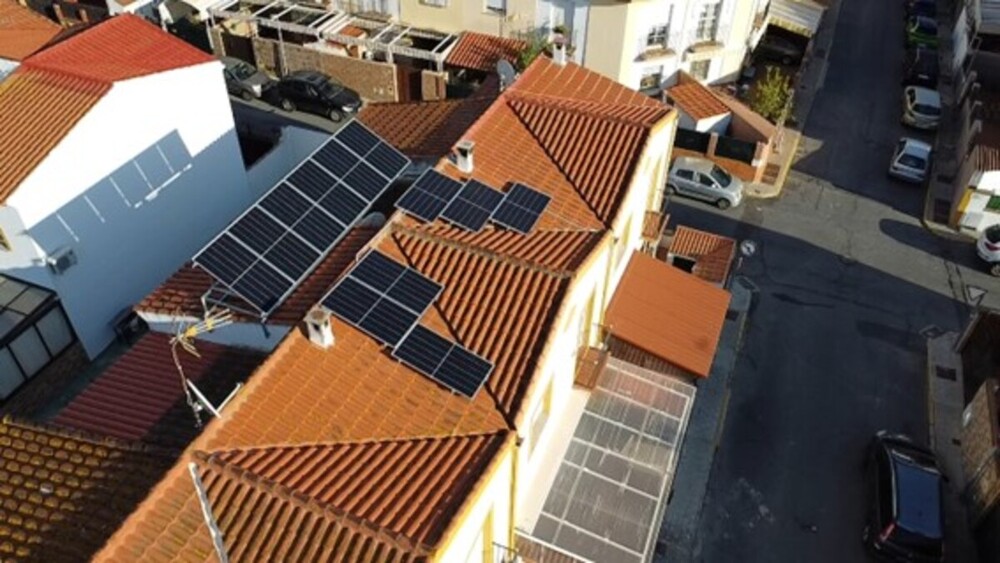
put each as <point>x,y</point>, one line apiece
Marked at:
<point>926,96</point>
<point>915,147</point>
<point>307,75</point>
<point>232,61</point>
<point>918,495</point>
<point>694,163</point>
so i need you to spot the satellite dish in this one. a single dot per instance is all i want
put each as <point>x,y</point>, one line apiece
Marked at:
<point>506,72</point>
<point>748,248</point>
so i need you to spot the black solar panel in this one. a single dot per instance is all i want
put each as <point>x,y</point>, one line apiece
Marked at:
<point>267,252</point>
<point>521,208</point>
<point>388,322</point>
<point>449,364</point>
<point>378,271</point>
<point>429,195</point>
<point>415,291</point>
<point>473,205</point>
<point>351,300</point>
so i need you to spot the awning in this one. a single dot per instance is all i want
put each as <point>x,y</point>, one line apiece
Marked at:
<point>669,313</point>
<point>797,16</point>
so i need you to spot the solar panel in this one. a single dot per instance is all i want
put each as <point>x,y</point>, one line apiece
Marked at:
<point>429,195</point>
<point>273,246</point>
<point>414,291</point>
<point>473,205</point>
<point>351,300</point>
<point>521,208</point>
<point>388,321</point>
<point>451,365</point>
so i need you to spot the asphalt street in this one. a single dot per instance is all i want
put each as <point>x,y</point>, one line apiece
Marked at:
<point>849,283</point>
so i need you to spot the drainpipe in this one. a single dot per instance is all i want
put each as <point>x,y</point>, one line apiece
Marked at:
<point>511,535</point>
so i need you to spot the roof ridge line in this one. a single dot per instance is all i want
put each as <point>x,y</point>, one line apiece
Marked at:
<point>283,492</point>
<point>90,437</point>
<point>28,64</point>
<point>582,107</point>
<point>359,441</point>
<point>395,227</point>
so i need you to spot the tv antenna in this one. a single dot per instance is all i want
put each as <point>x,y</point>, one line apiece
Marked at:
<point>184,338</point>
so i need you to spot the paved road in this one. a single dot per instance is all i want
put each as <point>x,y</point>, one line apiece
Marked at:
<point>847,280</point>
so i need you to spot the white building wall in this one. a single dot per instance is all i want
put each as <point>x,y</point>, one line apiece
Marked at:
<point>135,189</point>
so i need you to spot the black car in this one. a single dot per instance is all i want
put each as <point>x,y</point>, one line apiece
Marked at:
<point>776,48</point>
<point>905,521</point>
<point>926,8</point>
<point>317,93</point>
<point>920,67</point>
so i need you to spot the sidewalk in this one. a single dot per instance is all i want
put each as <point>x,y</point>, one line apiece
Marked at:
<point>678,533</point>
<point>945,402</point>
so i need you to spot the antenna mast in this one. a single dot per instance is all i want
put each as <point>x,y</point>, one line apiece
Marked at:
<point>214,318</point>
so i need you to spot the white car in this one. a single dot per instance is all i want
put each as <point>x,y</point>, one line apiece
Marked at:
<point>988,248</point>
<point>921,107</point>
<point>703,179</point>
<point>911,160</point>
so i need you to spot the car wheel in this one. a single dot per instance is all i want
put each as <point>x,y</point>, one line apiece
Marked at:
<point>335,115</point>
<point>246,95</point>
<point>671,190</point>
<point>287,105</point>
<point>995,270</point>
<point>723,204</point>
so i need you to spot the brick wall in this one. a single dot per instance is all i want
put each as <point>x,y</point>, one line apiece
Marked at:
<point>979,461</point>
<point>47,384</point>
<point>432,85</point>
<point>375,81</point>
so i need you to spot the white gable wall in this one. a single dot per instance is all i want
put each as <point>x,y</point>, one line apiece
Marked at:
<point>145,179</point>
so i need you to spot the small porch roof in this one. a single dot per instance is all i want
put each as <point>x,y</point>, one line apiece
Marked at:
<point>798,16</point>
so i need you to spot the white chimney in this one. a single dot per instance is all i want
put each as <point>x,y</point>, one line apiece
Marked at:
<point>559,50</point>
<point>464,156</point>
<point>319,328</point>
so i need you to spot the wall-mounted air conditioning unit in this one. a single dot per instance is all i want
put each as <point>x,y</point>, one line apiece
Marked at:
<point>61,260</point>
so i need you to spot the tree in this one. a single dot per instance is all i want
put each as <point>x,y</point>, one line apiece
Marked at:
<point>773,96</point>
<point>535,44</point>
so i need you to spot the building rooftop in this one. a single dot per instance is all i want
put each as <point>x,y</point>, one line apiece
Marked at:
<point>696,100</point>
<point>23,31</point>
<point>478,51</point>
<point>713,254</point>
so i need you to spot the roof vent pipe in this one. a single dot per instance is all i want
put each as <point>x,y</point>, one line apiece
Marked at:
<point>319,328</point>
<point>464,156</point>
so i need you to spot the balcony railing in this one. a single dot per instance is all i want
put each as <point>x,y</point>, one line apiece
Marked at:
<point>677,42</point>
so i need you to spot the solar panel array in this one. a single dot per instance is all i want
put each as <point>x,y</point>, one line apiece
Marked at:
<point>472,204</point>
<point>386,300</point>
<point>267,252</point>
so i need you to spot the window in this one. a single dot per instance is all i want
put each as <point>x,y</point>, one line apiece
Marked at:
<point>438,3</point>
<point>708,21</point>
<point>496,5</point>
<point>4,241</point>
<point>685,174</point>
<point>699,69</point>
<point>657,36</point>
<point>705,181</point>
<point>651,79</point>
<point>541,417</point>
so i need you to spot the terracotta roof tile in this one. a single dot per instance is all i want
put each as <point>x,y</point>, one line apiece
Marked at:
<point>696,100</point>
<point>125,46</point>
<point>181,294</point>
<point>424,130</point>
<point>573,82</point>
<point>681,326</point>
<point>38,109</point>
<point>62,494</point>
<point>23,31</point>
<point>478,51</point>
<point>713,254</point>
<point>139,397</point>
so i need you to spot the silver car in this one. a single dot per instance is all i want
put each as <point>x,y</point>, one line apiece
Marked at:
<point>921,107</point>
<point>911,160</point>
<point>244,80</point>
<point>703,179</point>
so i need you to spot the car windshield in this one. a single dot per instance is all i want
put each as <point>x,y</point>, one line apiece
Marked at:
<point>918,498</point>
<point>243,71</point>
<point>925,109</point>
<point>329,88</point>
<point>913,161</point>
<point>721,176</point>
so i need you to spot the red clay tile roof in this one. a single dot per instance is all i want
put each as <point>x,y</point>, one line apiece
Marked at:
<point>139,397</point>
<point>23,31</point>
<point>125,46</point>
<point>181,294</point>
<point>696,100</point>
<point>37,110</point>
<point>713,254</point>
<point>62,494</point>
<point>668,313</point>
<point>424,130</point>
<point>478,51</point>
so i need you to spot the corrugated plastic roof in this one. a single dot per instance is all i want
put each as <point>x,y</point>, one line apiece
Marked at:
<point>668,313</point>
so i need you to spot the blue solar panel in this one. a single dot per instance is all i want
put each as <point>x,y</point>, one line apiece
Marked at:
<point>262,285</point>
<point>335,157</point>
<point>387,160</point>
<point>226,258</point>
<point>343,204</point>
<point>312,180</point>
<point>429,195</point>
<point>358,138</point>
<point>415,291</point>
<point>378,271</point>
<point>388,321</point>
<point>318,228</point>
<point>286,204</point>
<point>521,208</point>
<point>449,364</point>
<point>463,371</point>
<point>351,300</point>
<point>366,182</point>
<point>258,230</point>
<point>473,205</point>
<point>292,256</point>
<point>423,350</point>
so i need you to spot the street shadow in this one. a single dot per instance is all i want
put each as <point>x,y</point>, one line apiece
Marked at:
<point>960,253</point>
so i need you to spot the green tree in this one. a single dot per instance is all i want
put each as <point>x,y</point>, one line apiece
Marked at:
<point>772,97</point>
<point>536,43</point>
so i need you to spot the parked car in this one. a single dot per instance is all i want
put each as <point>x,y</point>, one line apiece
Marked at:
<point>921,30</point>
<point>703,179</point>
<point>776,48</point>
<point>988,248</point>
<point>925,8</point>
<point>911,160</point>
<point>921,107</point>
<point>317,93</point>
<point>921,67</point>
<point>244,80</point>
<point>905,520</point>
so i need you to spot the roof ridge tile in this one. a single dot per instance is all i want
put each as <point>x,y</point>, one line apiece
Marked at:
<point>638,116</point>
<point>89,437</point>
<point>356,442</point>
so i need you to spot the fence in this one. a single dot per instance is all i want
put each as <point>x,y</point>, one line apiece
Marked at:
<point>728,147</point>
<point>692,140</point>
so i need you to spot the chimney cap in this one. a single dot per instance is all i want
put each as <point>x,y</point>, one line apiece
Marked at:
<point>465,145</point>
